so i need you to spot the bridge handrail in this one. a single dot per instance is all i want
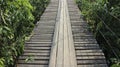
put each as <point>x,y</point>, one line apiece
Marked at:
<point>109,29</point>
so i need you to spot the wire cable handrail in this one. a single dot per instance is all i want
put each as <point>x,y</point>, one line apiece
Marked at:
<point>107,26</point>
<point>111,14</point>
<point>109,45</point>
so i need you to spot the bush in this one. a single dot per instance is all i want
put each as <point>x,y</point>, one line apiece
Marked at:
<point>17,19</point>
<point>16,23</point>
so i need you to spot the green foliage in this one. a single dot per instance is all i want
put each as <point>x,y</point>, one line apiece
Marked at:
<point>17,19</point>
<point>103,17</point>
<point>16,23</point>
<point>115,62</point>
<point>39,7</point>
<point>116,65</point>
<point>30,58</point>
<point>2,62</point>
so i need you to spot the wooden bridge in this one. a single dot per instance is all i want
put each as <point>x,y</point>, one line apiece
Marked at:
<point>62,39</point>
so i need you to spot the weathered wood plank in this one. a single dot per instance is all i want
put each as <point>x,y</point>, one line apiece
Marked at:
<point>93,65</point>
<point>87,62</point>
<point>35,54</point>
<point>31,65</point>
<point>38,45</point>
<point>45,62</point>
<point>34,58</point>
<point>60,50</point>
<point>67,58</point>
<point>53,55</point>
<point>73,61</point>
<point>89,51</point>
<point>91,58</point>
<point>37,50</point>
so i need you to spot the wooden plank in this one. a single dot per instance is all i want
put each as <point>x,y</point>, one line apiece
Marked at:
<point>38,42</point>
<point>60,55</point>
<point>53,55</point>
<point>34,57</point>
<point>87,42</point>
<point>87,48</point>
<point>93,65</point>
<point>45,62</point>
<point>89,51</point>
<point>86,45</point>
<point>38,48</point>
<point>41,51</point>
<point>31,65</point>
<point>35,54</point>
<point>81,54</point>
<point>38,45</point>
<point>42,37</point>
<point>67,58</point>
<point>87,61</point>
<point>90,57</point>
<point>32,40</point>
<point>73,61</point>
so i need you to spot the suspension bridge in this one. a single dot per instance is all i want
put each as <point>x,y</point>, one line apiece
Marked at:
<point>61,39</point>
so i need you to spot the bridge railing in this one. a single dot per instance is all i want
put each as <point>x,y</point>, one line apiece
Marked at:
<point>108,35</point>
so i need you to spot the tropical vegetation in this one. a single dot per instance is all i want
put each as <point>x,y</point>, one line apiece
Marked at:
<point>17,20</point>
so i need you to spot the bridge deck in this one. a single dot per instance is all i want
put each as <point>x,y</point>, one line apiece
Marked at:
<point>62,39</point>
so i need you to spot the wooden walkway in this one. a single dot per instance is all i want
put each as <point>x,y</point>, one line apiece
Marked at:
<point>61,39</point>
